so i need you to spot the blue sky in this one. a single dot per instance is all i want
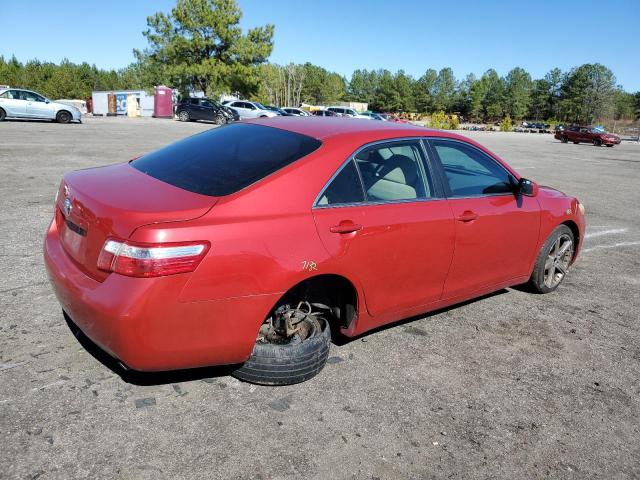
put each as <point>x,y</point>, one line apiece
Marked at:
<point>414,35</point>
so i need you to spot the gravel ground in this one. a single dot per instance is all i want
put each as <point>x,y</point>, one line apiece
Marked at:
<point>513,385</point>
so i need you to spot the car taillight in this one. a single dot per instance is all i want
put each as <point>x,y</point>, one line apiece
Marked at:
<point>150,259</point>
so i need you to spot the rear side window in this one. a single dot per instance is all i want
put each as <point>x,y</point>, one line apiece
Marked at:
<point>224,160</point>
<point>393,171</point>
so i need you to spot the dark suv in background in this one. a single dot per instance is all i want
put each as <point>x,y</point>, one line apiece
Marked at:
<point>205,109</point>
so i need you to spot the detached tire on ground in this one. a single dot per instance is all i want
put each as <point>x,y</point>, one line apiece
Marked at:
<point>286,364</point>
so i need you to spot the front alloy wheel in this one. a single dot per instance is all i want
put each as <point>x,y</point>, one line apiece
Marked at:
<point>553,260</point>
<point>63,117</point>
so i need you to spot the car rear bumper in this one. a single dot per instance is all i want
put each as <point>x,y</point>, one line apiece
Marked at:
<point>141,322</point>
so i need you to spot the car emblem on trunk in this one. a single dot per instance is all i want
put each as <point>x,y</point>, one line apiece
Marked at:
<point>66,207</point>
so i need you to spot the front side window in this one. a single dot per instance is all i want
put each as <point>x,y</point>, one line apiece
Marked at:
<point>31,97</point>
<point>394,171</point>
<point>471,172</point>
<point>344,188</point>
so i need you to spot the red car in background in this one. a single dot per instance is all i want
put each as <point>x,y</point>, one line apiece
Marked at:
<point>250,243</point>
<point>578,134</point>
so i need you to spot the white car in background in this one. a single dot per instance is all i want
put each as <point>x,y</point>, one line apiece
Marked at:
<point>298,112</point>
<point>249,109</point>
<point>347,112</point>
<point>25,104</point>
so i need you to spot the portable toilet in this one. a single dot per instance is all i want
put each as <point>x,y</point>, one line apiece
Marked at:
<point>133,108</point>
<point>163,102</point>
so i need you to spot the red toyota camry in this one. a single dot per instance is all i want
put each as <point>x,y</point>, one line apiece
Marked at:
<point>250,243</point>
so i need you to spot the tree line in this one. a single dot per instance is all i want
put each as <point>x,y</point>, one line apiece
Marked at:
<point>199,46</point>
<point>582,94</point>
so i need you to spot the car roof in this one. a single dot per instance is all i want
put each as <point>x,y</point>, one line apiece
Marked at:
<point>324,128</point>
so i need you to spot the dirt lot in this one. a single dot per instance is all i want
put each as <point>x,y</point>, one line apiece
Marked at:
<point>511,386</point>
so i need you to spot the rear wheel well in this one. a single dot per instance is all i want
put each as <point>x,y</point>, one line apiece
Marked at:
<point>335,291</point>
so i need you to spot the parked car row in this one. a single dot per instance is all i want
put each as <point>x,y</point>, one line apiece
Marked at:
<point>232,110</point>
<point>20,103</point>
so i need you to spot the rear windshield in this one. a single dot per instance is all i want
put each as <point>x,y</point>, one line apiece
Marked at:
<point>225,159</point>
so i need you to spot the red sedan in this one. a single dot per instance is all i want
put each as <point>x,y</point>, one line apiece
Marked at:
<point>250,243</point>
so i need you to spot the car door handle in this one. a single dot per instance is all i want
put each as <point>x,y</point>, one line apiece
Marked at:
<point>467,216</point>
<point>344,227</point>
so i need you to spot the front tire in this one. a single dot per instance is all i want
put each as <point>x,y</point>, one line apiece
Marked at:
<point>597,142</point>
<point>564,139</point>
<point>286,364</point>
<point>63,117</point>
<point>554,259</point>
<point>3,115</point>
<point>184,116</point>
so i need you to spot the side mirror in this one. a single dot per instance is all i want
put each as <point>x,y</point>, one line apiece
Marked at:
<point>527,187</point>
<point>46,100</point>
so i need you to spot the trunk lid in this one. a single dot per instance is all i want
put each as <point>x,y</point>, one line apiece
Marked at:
<point>113,201</point>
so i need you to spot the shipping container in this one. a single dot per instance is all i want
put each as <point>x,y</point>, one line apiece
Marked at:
<point>120,101</point>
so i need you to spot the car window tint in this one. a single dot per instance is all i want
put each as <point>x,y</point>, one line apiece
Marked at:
<point>31,97</point>
<point>471,172</point>
<point>393,171</point>
<point>344,188</point>
<point>224,160</point>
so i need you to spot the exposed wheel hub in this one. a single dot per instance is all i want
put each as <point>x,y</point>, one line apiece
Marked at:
<point>289,324</point>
